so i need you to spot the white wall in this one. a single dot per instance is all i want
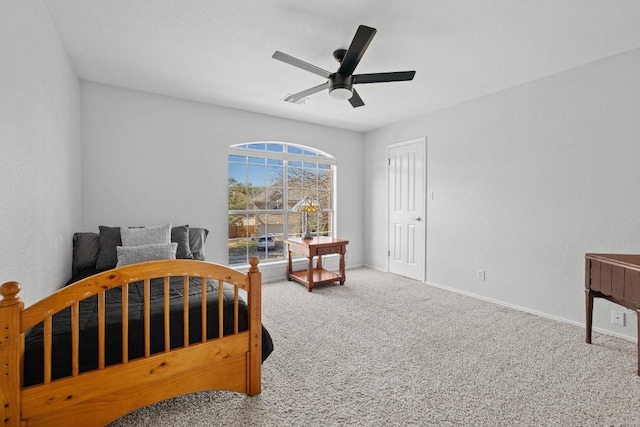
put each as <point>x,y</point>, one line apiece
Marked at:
<point>150,159</point>
<point>39,149</point>
<point>525,182</point>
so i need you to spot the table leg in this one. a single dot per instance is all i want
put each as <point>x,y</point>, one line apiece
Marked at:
<point>589,310</point>
<point>310,274</point>
<point>638,313</point>
<point>290,266</point>
<point>342,275</point>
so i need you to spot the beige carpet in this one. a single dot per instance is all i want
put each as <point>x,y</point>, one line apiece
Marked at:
<point>384,350</point>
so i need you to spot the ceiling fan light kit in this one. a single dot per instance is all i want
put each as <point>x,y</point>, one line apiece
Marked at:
<point>340,83</point>
<point>340,87</point>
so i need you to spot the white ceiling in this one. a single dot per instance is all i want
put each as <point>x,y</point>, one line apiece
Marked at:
<point>219,52</point>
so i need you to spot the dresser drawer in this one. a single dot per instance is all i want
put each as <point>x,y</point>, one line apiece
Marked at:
<point>328,250</point>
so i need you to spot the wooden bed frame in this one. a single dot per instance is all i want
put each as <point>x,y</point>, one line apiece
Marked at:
<point>231,362</point>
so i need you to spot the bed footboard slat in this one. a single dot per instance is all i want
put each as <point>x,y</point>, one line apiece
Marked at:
<point>47,349</point>
<point>101,328</point>
<point>220,308</point>
<point>147,317</point>
<point>125,323</point>
<point>203,307</point>
<point>185,298</point>
<point>236,304</point>
<point>167,319</point>
<point>75,339</point>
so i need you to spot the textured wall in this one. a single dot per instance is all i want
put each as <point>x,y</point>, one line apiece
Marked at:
<point>526,181</point>
<point>39,150</point>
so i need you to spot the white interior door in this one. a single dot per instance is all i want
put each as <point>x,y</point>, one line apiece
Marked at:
<point>407,225</point>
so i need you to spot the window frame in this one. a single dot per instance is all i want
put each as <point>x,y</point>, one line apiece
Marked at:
<point>307,155</point>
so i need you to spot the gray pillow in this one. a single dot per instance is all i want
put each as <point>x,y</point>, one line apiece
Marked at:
<point>109,239</point>
<point>139,236</point>
<point>134,254</point>
<point>86,247</point>
<point>180,235</point>
<point>197,238</point>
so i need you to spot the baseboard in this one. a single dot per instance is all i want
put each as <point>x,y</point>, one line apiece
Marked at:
<point>373,267</point>
<point>528,310</point>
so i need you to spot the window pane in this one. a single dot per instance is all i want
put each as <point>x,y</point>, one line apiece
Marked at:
<point>275,147</point>
<point>310,179</point>
<point>294,224</point>
<point>270,240</point>
<point>294,177</point>
<point>256,160</point>
<point>324,199</point>
<point>237,198</point>
<point>257,199</point>
<point>240,228</point>
<point>237,173</point>
<point>294,150</point>
<point>324,224</point>
<point>274,199</point>
<point>256,175</point>
<point>324,180</point>
<point>257,147</point>
<point>275,175</point>
<point>237,159</point>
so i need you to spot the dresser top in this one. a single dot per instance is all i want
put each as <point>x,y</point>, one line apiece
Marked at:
<point>623,260</point>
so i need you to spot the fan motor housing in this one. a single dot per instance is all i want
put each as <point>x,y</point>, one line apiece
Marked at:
<point>339,81</point>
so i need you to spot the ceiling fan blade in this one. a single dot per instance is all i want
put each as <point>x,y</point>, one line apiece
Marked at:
<point>280,56</point>
<point>356,50</point>
<point>355,100</point>
<point>298,96</point>
<point>398,76</point>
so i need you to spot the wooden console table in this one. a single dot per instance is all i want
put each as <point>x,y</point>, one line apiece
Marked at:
<point>614,277</point>
<point>316,247</point>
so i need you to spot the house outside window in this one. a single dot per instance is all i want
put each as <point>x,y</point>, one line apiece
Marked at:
<point>266,180</point>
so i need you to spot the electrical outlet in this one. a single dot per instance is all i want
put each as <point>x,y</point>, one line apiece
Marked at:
<point>480,274</point>
<point>617,317</point>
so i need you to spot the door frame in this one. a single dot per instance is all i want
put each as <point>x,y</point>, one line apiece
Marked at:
<point>423,140</point>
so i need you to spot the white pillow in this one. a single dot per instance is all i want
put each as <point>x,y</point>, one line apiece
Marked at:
<point>141,253</point>
<point>145,235</point>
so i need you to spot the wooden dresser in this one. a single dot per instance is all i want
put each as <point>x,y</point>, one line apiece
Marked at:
<point>614,277</point>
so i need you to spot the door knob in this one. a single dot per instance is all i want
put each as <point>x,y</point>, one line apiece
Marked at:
<point>417,218</point>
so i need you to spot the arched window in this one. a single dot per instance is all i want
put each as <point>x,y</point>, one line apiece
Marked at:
<point>266,181</point>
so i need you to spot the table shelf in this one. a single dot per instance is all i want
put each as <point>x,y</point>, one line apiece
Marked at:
<point>319,275</point>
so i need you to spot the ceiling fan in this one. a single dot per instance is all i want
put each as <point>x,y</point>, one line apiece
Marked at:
<point>340,83</point>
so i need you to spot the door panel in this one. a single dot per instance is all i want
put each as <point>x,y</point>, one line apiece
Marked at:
<point>407,239</point>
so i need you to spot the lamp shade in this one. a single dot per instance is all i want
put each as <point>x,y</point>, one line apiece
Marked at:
<point>306,204</point>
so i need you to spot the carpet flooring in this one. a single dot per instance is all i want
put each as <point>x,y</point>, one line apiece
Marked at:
<point>384,350</point>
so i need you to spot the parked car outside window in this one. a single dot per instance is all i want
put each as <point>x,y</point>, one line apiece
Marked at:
<point>266,241</point>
